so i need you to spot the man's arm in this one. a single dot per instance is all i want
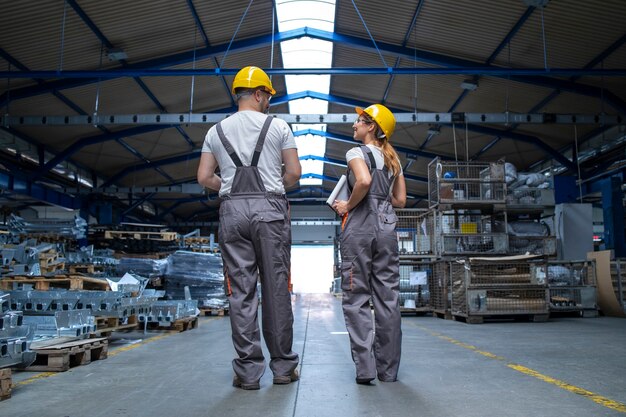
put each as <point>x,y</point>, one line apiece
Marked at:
<point>293,170</point>
<point>206,172</point>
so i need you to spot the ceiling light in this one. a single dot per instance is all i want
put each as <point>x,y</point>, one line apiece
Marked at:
<point>469,85</point>
<point>116,54</point>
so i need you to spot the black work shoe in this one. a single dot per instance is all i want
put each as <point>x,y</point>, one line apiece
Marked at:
<point>238,384</point>
<point>364,381</point>
<point>286,379</point>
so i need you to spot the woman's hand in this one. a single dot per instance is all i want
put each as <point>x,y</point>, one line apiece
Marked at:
<point>340,207</point>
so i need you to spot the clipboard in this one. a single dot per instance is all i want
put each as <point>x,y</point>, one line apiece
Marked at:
<point>340,192</point>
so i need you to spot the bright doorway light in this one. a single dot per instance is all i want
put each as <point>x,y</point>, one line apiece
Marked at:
<point>312,268</point>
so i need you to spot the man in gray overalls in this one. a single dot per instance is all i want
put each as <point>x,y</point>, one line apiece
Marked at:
<point>369,247</point>
<point>255,228</point>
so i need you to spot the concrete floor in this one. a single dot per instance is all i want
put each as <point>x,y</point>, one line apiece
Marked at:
<point>565,367</point>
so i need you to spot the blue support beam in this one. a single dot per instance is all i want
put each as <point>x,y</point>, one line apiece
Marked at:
<point>455,66</point>
<point>613,213</point>
<point>13,184</point>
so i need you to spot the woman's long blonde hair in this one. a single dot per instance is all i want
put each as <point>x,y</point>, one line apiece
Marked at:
<point>392,162</point>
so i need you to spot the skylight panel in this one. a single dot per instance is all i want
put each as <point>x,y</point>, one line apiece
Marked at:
<point>307,53</point>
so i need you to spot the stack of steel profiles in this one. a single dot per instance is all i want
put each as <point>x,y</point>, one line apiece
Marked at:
<point>74,228</point>
<point>15,337</point>
<point>73,324</point>
<point>492,288</point>
<point>142,266</point>
<point>166,312</point>
<point>572,286</point>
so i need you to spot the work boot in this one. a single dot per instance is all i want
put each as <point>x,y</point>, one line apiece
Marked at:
<point>286,379</point>
<point>364,381</point>
<point>238,384</point>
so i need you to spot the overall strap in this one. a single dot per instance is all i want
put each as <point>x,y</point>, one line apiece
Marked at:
<point>259,144</point>
<point>229,148</point>
<point>372,162</point>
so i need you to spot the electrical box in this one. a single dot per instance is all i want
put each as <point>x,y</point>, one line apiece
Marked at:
<point>574,230</point>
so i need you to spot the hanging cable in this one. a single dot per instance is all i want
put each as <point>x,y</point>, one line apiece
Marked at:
<point>545,48</point>
<point>456,156</point>
<point>63,35</point>
<point>193,66</point>
<point>368,32</point>
<point>466,141</point>
<point>235,34</point>
<point>580,184</point>
<point>97,104</point>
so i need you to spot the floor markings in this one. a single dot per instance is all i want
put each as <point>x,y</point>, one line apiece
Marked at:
<point>599,399</point>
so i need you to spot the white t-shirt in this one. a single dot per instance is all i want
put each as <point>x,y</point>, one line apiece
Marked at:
<point>242,131</point>
<point>356,152</point>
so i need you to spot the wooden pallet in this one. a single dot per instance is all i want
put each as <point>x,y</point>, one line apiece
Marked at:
<point>63,356</point>
<point>6,384</point>
<point>82,269</point>
<point>41,283</point>
<point>418,311</point>
<point>180,325</point>
<point>139,235</point>
<point>154,255</point>
<point>443,314</point>
<point>479,319</point>
<point>204,311</point>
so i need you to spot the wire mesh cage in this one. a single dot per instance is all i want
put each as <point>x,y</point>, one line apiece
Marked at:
<point>493,287</point>
<point>439,284</point>
<point>415,230</point>
<point>415,277</point>
<point>462,232</point>
<point>572,286</point>
<point>534,245</point>
<point>618,277</point>
<point>461,182</point>
<point>529,197</point>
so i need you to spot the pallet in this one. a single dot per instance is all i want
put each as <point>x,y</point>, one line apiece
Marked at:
<point>140,235</point>
<point>6,384</point>
<point>154,255</point>
<point>107,325</point>
<point>476,319</point>
<point>418,311</point>
<point>205,311</point>
<point>61,357</point>
<point>187,323</point>
<point>443,314</point>
<point>83,269</point>
<point>41,283</point>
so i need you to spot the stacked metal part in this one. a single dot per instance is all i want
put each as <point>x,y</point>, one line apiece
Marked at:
<point>75,324</point>
<point>25,258</point>
<point>15,336</point>
<point>100,303</point>
<point>201,272</point>
<point>166,312</point>
<point>75,228</point>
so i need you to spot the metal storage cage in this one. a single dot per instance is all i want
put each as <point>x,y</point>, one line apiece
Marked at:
<point>533,245</point>
<point>415,277</point>
<point>494,289</point>
<point>460,182</point>
<point>464,232</point>
<point>572,286</point>
<point>439,285</point>
<point>415,230</point>
<point>529,197</point>
<point>618,277</point>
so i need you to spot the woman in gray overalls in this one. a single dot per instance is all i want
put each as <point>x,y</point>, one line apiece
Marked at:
<point>369,247</point>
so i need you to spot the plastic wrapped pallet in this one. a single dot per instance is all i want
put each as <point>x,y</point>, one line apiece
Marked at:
<point>144,267</point>
<point>201,272</point>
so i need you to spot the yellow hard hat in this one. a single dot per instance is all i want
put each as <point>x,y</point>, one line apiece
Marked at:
<point>382,116</point>
<point>252,77</point>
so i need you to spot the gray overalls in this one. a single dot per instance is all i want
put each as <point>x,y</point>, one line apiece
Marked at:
<point>370,269</point>
<point>255,240</point>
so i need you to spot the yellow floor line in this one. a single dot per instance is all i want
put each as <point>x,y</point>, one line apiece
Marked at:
<point>599,399</point>
<point>43,375</point>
